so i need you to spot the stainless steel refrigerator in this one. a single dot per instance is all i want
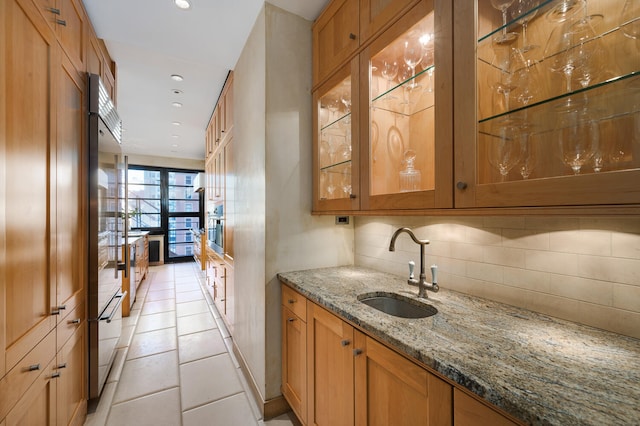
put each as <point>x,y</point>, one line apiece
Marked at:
<point>107,219</point>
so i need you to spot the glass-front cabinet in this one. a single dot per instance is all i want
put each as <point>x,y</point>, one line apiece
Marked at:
<point>383,121</point>
<point>336,178</point>
<point>557,102</point>
<point>406,113</point>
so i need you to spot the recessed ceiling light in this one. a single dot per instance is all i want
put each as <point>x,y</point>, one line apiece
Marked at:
<point>176,91</point>
<point>182,4</point>
<point>176,77</point>
<point>175,145</point>
<point>175,136</point>
<point>176,123</point>
<point>177,104</point>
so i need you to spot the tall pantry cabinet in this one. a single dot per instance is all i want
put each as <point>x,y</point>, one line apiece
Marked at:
<point>44,45</point>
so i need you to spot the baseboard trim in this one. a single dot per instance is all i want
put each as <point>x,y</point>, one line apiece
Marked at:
<point>268,409</point>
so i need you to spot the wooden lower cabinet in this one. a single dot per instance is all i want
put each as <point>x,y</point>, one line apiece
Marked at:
<point>71,388</point>
<point>468,411</point>
<point>334,374</point>
<point>38,404</point>
<point>391,390</point>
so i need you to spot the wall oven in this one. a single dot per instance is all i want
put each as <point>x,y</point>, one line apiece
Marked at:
<point>215,229</point>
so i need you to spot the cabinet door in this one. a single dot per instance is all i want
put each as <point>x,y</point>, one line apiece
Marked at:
<point>336,171</point>
<point>335,37</point>
<point>376,14</point>
<point>221,289</point>
<point>294,362</point>
<point>71,31</point>
<point>390,389</point>
<point>467,411</point>
<point>228,106</point>
<point>38,404</point>
<point>406,111</point>
<point>229,297</point>
<point>71,247</point>
<point>229,194</point>
<point>555,114</point>
<point>94,54</point>
<point>27,225</point>
<point>330,368</point>
<point>71,367</point>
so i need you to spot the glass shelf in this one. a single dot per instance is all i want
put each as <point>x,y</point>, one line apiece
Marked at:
<point>410,96</point>
<point>336,166</point>
<point>544,7</point>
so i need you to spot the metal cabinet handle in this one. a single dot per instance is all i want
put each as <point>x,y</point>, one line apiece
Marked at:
<point>461,185</point>
<point>55,312</point>
<point>62,307</point>
<point>53,10</point>
<point>61,22</point>
<point>357,352</point>
<point>64,365</point>
<point>352,196</point>
<point>345,342</point>
<point>55,375</point>
<point>352,36</point>
<point>120,297</point>
<point>291,301</point>
<point>75,321</point>
<point>291,319</point>
<point>34,367</point>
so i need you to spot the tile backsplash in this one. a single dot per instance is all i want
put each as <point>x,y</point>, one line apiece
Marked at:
<point>583,269</point>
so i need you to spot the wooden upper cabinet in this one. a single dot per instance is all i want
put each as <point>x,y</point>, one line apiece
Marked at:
<point>335,37</point>
<point>550,123</point>
<point>94,54</point>
<point>227,118</point>
<point>27,227</point>
<point>376,14</point>
<point>71,31</point>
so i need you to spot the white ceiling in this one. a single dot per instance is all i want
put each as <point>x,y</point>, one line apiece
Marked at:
<point>152,39</point>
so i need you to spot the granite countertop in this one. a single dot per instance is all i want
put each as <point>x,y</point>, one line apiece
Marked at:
<point>542,370</point>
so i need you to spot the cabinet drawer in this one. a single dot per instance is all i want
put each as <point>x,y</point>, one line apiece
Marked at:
<point>294,302</point>
<point>69,325</point>
<point>18,380</point>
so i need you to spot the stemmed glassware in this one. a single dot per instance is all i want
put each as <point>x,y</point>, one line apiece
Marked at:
<point>389,72</point>
<point>565,10</point>
<point>630,19</point>
<point>413,54</point>
<point>513,69</point>
<point>428,60</point>
<point>504,151</point>
<point>521,8</point>
<point>530,151</point>
<point>579,134</point>
<point>504,37</point>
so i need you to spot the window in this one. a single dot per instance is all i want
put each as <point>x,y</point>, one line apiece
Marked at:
<point>162,199</point>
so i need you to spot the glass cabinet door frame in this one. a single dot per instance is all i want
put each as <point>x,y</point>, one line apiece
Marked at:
<point>347,203</point>
<point>442,195</point>
<point>619,187</point>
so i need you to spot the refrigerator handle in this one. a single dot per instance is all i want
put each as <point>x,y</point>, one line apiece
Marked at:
<point>116,213</point>
<point>127,252</point>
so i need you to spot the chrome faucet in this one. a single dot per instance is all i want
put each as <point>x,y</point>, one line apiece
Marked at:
<point>422,283</point>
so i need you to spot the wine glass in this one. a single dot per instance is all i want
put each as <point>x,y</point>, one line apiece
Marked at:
<point>413,54</point>
<point>526,10</point>
<point>530,151</point>
<point>428,60</point>
<point>504,37</point>
<point>579,134</point>
<point>345,181</point>
<point>389,72</point>
<point>565,10</point>
<point>511,66</point>
<point>504,150</point>
<point>630,19</point>
<point>405,76</point>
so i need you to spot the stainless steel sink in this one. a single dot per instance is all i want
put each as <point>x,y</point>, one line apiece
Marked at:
<point>397,305</point>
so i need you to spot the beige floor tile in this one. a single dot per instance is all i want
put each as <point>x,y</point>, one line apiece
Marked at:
<point>189,296</point>
<point>208,380</point>
<point>156,321</point>
<point>190,308</point>
<point>229,411</point>
<point>158,306</point>
<point>143,376</point>
<point>196,346</point>
<point>193,286</point>
<point>166,285</point>
<point>195,323</point>
<point>159,295</point>
<point>286,419</point>
<point>162,408</point>
<point>153,342</point>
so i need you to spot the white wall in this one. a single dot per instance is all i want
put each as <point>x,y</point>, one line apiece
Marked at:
<point>583,269</point>
<point>272,157</point>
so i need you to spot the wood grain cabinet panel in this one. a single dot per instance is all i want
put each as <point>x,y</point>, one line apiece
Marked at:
<point>468,411</point>
<point>376,14</point>
<point>28,224</point>
<point>335,37</point>
<point>39,403</point>
<point>71,387</point>
<point>294,360</point>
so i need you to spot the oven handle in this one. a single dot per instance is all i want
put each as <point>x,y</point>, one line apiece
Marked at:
<point>119,296</point>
